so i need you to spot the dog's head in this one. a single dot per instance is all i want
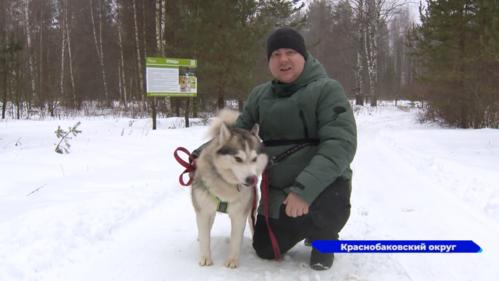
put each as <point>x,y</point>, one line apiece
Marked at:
<point>240,156</point>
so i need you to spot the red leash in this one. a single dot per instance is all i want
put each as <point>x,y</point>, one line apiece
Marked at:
<point>265,187</point>
<point>188,167</point>
<point>265,194</point>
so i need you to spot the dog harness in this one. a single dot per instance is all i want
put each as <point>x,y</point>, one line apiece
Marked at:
<point>222,206</point>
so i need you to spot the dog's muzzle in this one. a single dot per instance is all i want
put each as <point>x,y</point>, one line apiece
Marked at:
<point>251,181</point>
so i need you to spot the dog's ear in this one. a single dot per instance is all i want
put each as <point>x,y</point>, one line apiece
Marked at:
<point>255,129</point>
<point>224,134</point>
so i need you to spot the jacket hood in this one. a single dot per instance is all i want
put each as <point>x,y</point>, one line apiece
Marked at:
<point>312,71</point>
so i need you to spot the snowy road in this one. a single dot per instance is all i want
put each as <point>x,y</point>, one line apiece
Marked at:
<point>397,195</point>
<point>398,202</point>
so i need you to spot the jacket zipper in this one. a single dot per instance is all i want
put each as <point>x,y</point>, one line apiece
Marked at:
<point>302,117</point>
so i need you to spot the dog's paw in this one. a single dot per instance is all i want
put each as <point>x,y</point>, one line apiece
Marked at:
<point>205,261</point>
<point>231,263</point>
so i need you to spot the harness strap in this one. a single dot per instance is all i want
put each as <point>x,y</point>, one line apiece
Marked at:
<point>270,143</point>
<point>222,206</point>
<point>277,159</point>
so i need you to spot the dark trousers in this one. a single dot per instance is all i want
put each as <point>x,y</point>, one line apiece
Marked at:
<point>327,215</point>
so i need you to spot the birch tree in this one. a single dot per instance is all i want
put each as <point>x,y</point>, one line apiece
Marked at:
<point>98,42</point>
<point>377,12</point>
<point>160,26</point>
<point>40,58</point>
<point>62,23</point>
<point>68,42</point>
<point>121,65</point>
<point>160,43</point>
<point>31,65</point>
<point>138,57</point>
<point>358,7</point>
<point>400,27</point>
<point>371,40</point>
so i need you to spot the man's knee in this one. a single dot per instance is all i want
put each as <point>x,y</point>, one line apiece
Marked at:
<point>264,251</point>
<point>331,210</point>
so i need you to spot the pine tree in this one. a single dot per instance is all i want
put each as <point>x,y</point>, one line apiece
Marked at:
<point>9,49</point>
<point>227,39</point>
<point>491,37</point>
<point>63,145</point>
<point>447,44</point>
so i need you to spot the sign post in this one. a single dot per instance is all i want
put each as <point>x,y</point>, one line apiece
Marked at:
<point>170,77</point>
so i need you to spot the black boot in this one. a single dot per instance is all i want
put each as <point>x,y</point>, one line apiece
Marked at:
<point>321,261</point>
<point>307,242</point>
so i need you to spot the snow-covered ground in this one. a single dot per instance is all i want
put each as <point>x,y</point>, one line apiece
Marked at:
<point>113,209</point>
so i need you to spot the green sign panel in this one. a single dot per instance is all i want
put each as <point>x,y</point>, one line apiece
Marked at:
<point>171,77</point>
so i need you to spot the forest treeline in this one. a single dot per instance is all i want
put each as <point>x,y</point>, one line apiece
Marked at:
<point>61,56</point>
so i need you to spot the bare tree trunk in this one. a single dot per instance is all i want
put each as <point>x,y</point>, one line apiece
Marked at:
<point>359,68</point>
<point>373,20</point>
<point>30,47</point>
<point>144,26</point>
<point>139,62</point>
<point>120,84</point>
<point>98,44</point>
<point>63,44</point>
<point>5,88</point>
<point>159,30</point>
<point>403,64</point>
<point>68,40</point>
<point>160,27</point>
<point>153,102</point>
<point>122,60</point>
<point>359,79</point>
<point>221,97</point>
<point>102,52</point>
<point>121,64</point>
<point>18,90</point>
<point>131,87</point>
<point>373,65</point>
<point>40,65</point>
<point>5,60</point>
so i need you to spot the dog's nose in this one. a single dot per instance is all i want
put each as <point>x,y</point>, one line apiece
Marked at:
<point>250,180</point>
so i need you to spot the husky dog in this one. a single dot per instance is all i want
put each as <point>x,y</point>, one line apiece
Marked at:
<point>227,172</point>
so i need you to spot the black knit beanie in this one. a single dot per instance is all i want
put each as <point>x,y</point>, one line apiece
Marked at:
<point>286,37</point>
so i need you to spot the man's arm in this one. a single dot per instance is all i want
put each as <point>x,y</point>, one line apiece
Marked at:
<point>338,143</point>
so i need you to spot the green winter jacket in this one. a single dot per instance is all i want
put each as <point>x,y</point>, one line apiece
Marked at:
<point>313,107</point>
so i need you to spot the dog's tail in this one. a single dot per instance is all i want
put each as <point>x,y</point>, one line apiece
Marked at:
<point>224,116</point>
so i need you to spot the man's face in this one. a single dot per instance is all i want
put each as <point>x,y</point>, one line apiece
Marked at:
<point>286,65</point>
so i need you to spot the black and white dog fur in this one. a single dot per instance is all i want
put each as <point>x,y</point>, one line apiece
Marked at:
<point>229,167</point>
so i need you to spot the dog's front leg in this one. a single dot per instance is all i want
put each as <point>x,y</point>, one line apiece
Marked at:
<point>204,222</point>
<point>238,223</point>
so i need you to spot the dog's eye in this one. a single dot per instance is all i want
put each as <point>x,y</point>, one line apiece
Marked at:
<point>238,160</point>
<point>254,159</point>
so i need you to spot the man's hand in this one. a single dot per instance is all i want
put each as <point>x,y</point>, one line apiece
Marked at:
<point>295,205</point>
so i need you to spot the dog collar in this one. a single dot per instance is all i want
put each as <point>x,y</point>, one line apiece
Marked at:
<point>222,206</point>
